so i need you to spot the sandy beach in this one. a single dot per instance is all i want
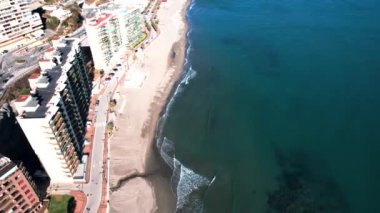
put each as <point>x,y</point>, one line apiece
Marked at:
<point>139,181</point>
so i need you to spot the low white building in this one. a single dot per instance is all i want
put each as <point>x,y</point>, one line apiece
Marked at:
<point>50,8</point>
<point>61,14</point>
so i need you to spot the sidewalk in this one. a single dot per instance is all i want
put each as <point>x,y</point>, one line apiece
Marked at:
<point>80,201</point>
<point>105,187</point>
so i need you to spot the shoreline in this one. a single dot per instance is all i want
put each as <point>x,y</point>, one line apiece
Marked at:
<point>138,174</point>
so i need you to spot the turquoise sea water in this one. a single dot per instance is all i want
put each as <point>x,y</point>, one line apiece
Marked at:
<point>278,110</point>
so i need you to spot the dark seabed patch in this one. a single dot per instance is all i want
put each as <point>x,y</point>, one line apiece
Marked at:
<point>302,188</point>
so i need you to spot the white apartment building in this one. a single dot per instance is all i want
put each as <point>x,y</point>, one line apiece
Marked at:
<point>53,117</point>
<point>16,20</point>
<point>111,29</point>
<point>140,4</point>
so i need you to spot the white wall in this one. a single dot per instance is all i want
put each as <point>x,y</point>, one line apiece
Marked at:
<point>96,51</point>
<point>39,135</point>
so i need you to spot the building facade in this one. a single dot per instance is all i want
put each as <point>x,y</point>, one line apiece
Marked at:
<point>54,115</point>
<point>16,20</point>
<point>17,190</point>
<point>111,30</point>
<point>140,4</point>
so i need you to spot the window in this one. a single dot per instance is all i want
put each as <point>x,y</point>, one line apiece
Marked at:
<point>20,182</point>
<point>18,198</point>
<point>23,187</point>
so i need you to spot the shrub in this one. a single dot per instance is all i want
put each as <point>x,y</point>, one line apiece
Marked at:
<point>52,22</point>
<point>110,126</point>
<point>154,25</point>
<point>142,37</point>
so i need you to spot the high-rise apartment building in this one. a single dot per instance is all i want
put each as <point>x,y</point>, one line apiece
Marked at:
<point>17,190</point>
<point>16,20</point>
<point>111,30</point>
<point>54,115</point>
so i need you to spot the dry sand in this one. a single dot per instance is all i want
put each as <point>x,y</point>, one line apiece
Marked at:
<point>139,181</point>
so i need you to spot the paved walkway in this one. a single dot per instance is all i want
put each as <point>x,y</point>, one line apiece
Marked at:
<point>80,201</point>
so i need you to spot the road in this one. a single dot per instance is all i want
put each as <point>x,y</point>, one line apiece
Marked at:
<point>11,71</point>
<point>94,187</point>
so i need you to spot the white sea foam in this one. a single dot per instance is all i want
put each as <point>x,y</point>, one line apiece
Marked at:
<point>167,152</point>
<point>187,182</point>
<point>184,180</point>
<point>192,3</point>
<point>190,75</point>
<point>212,181</point>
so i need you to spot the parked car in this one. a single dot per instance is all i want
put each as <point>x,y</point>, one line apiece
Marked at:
<point>108,78</point>
<point>97,102</point>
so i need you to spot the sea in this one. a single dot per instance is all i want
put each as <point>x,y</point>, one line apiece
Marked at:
<point>278,108</point>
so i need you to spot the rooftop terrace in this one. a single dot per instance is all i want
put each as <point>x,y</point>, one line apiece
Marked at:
<point>44,96</point>
<point>5,165</point>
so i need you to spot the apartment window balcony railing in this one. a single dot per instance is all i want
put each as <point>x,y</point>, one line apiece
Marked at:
<point>59,122</point>
<point>61,127</point>
<point>71,163</point>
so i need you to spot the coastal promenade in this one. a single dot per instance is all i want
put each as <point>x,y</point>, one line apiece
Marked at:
<point>98,174</point>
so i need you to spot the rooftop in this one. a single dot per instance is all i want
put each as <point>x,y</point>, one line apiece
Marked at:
<point>34,75</point>
<point>5,165</point>
<point>47,85</point>
<point>22,98</point>
<point>102,18</point>
<point>50,49</point>
<point>55,37</point>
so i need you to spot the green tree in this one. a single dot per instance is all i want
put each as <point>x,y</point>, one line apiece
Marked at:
<point>52,22</point>
<point>110,126</point>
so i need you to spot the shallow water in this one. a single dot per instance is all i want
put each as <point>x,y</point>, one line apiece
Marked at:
<point>278,111</point>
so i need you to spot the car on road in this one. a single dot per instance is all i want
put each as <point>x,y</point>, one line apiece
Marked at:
<point>97,102</point>
<point>108,78</point>
<point>112,74</point>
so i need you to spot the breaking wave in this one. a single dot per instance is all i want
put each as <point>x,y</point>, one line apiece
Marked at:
<point>187,184</point>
